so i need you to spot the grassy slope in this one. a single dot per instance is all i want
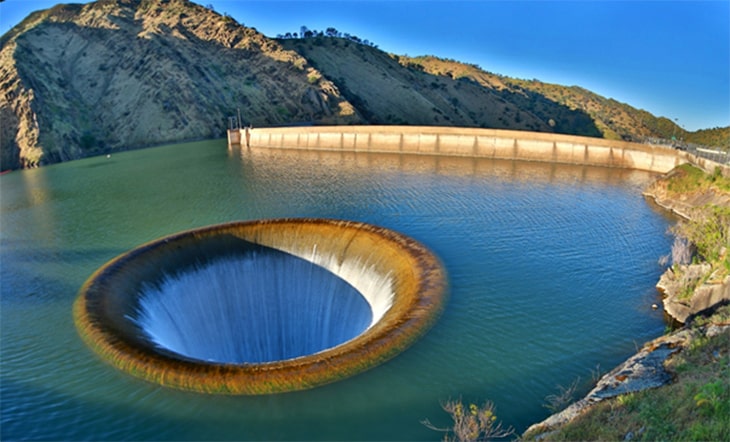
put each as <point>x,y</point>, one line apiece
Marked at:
<point>696,406</point>
<point>385,91</point>
<point>391,89</point>
<point>621,121</point>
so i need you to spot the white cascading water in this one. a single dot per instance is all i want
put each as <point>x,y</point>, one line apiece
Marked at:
<point>375,286</point>
<point>267,306</point>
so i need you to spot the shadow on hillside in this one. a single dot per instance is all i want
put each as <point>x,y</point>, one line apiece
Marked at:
<point>380,86</point>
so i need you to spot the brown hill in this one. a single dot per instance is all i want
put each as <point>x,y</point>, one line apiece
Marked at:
<point>83,79</point>
<point>386,89</point>
<point>80,80</point>
<point>613,119</point>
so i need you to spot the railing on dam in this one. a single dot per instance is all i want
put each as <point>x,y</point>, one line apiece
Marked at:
<point>473,142</point>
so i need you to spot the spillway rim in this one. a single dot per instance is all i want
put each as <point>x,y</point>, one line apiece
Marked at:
<point>420,294</point>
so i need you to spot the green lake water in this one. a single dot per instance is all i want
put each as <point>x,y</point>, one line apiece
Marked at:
<point>551,268</point>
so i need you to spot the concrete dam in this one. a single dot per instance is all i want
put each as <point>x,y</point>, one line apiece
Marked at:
<point>470,142</point>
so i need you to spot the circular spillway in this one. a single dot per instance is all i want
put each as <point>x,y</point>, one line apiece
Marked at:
<point>261,307</point>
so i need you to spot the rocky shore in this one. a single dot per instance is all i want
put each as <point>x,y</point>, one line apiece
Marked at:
<point>647,368</point>
<point>711,288</point>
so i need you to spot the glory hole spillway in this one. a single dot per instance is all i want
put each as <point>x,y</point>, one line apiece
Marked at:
<point>261,307</point>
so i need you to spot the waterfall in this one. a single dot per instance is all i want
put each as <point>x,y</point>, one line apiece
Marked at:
<point>314,300</point>
<point>261,307</point>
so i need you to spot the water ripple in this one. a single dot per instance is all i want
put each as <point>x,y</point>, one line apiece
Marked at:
<point>544,261</point>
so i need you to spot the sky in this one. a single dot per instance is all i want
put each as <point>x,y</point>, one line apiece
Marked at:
<point>671,58</point>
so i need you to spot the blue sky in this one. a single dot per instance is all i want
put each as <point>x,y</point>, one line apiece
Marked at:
<point>671,58</point>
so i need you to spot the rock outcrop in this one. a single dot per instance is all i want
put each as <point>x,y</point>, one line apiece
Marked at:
<point>646,369</point>
<point>707,288</point>
<point>705,296</point>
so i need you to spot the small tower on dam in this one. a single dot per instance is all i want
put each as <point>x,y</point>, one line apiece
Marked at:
<point>237,133</point>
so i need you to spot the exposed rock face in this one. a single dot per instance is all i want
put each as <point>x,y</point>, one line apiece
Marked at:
<point>704,297</point>
<point>683,204</point>
<point>82,79</point>
<point>708,289</point>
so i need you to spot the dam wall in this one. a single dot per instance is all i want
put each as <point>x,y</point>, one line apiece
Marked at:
<point>473,142</point>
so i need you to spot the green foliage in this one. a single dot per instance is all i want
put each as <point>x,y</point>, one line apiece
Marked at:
<point>687,178</point>
<point>283,112</point>
<point>720,181</point>
<point>716,137</point>
<point>87,141</point>
<point>695,407</point>
<point>709,231</point>
<point>713,398</point>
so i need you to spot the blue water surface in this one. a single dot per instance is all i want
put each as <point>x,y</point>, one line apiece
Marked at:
<point>551,268</point>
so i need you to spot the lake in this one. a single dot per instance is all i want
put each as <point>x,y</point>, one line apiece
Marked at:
<point>551,270</point>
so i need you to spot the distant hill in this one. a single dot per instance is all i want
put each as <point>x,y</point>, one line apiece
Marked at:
<point>614,120</point>
<point>390,89</point>
<point>80,80</point>
<point>718,136</point>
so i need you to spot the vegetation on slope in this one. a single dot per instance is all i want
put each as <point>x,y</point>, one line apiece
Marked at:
<point>385,90</point>
<point>560,117</point>
<point>620,121</point>
<point>718,137</point>
<point>115,74</point>
<point>708,226</point>
<point>696,406</point>
<point>613,119</point>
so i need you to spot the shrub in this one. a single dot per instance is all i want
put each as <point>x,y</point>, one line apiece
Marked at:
<point>708,230</point>
<point>472,423</point>
<point>565,396</point>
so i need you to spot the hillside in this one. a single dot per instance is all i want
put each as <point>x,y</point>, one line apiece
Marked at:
<point>386,89</point>
<point>80,80</point>
<point>613,119</point>
<point>84,79</point>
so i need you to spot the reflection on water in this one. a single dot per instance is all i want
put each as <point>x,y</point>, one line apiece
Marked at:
<point>552,271</point>
<point>448,165</point>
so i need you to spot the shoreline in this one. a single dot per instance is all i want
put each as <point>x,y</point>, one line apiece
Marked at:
<point>642,371</point>
<point>646,368</point>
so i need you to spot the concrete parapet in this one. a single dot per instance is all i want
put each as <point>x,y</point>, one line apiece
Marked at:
<point>473,142</point>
